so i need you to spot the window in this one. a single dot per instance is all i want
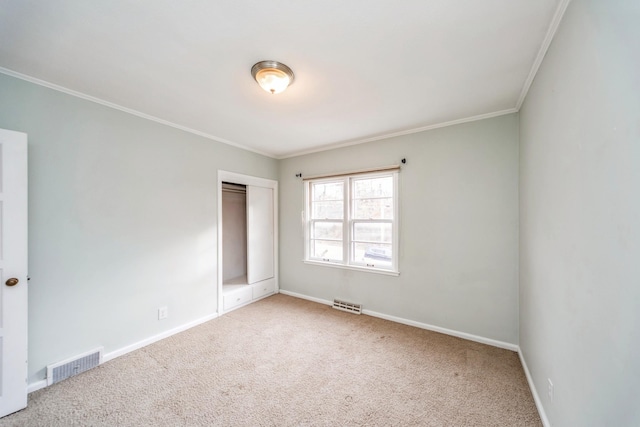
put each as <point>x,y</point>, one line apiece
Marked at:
<point>352,221</point>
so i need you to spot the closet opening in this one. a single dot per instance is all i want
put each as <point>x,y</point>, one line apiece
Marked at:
<point>247,239</point>
<point>234,237</point>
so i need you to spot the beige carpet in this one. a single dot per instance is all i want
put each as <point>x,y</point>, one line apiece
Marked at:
<point>288,362</point>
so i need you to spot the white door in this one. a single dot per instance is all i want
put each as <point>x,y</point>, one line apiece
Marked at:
<point>260,229</point>
<point>13,271</point>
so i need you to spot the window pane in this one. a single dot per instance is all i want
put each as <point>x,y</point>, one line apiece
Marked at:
<point>373,187</point>
<point>373,254</point>
<point>373,208</point>
<point>373,232</point>
<point>328,210</point>
<point>326,230</point>
<point>367,206</point>
<point>326,249</point>
<point>327,191</point>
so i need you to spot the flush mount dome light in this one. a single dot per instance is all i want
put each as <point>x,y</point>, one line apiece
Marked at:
<point>272,76</point>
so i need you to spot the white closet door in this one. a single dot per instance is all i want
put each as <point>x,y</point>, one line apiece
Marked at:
<point>260,244</point>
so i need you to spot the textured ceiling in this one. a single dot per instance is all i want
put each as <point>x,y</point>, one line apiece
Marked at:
<point>364,69</point>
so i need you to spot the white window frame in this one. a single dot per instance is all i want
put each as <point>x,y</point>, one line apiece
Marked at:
<point>348,223</point>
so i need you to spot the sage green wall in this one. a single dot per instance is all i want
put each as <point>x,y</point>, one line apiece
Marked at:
<point>580,218</point>
<point>122,220</point>
<point>458,235</point>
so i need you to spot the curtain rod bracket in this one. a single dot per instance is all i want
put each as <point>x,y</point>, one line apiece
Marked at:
<point>404,161</point>
<point>299,175</point>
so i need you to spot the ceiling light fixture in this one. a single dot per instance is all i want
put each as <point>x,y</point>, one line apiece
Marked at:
<point>272,76</point>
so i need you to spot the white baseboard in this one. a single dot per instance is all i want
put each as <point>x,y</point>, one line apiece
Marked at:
<point>308,298</point>
<point>534,391</point>
<point>463,335</point>
<point>543,416</point>
<point>37,385</point>
<point>145,342</point>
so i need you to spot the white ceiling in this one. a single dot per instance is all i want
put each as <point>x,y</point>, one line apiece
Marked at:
<point>364,69</point>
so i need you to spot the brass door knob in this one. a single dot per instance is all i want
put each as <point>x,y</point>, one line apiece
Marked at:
<point>12,282</point>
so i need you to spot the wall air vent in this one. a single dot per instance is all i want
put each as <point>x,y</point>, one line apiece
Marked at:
<point>74,366</point>
<point>347,306</point>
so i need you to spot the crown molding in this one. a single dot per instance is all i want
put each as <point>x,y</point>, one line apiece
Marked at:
<point>400,133</point>
<point>115,106</point>
<point>551,32</point>
<point>553,27</point>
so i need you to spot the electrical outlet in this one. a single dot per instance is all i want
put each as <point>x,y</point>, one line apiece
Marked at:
<point>163,313</point>
<point>550,389</point>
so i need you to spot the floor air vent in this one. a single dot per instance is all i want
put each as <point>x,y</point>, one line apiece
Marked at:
<point>74,366</point>
<point>347,306</point>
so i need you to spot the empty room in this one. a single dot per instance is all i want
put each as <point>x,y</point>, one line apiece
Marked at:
<point>279,213</point>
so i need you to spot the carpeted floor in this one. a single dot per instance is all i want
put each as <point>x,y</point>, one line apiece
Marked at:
<point>284,361</point>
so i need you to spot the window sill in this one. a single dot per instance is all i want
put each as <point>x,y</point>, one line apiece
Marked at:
<point>355,268</point>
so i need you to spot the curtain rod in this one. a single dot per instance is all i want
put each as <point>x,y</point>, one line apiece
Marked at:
<point>356,172</point>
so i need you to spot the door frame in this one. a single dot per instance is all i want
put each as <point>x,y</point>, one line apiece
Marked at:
<point>238,178</point>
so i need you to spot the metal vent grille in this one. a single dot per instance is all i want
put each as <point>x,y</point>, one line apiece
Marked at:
<point>74,366</point>
<point>347,306</point>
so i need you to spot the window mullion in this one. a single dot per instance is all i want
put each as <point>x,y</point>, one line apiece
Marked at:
<point>307,220</point>
<point>346,232</point>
